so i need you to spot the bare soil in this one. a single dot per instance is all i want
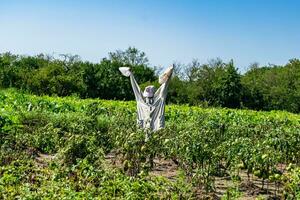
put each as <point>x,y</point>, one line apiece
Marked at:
<point>250,189</point>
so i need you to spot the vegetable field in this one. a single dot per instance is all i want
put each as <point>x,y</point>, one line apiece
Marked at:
<point>68,148</point>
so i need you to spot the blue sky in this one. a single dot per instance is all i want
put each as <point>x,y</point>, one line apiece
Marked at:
<point>263,31</point>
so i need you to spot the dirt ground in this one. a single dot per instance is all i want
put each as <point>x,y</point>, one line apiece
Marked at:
<point>250,189</point>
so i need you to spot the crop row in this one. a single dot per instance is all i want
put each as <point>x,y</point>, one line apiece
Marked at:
<point>205,143</point>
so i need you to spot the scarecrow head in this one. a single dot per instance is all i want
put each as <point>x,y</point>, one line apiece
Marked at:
<point>149,91</point>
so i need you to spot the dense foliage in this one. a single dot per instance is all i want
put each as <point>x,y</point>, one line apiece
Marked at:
<point>55,148</point>
<point>69,75</point>
<point>276,87</point>
<point>213,84</point>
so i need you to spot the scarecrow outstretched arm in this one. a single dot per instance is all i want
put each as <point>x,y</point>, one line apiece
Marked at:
<point>164,80</point>
<point>136,88</point>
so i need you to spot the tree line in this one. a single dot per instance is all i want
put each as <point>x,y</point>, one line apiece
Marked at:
<point>216,83</point>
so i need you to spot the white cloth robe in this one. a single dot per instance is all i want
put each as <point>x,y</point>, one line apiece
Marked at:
<point>150,116</point>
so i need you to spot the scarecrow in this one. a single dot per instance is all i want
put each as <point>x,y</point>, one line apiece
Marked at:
<point>151,102</point>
